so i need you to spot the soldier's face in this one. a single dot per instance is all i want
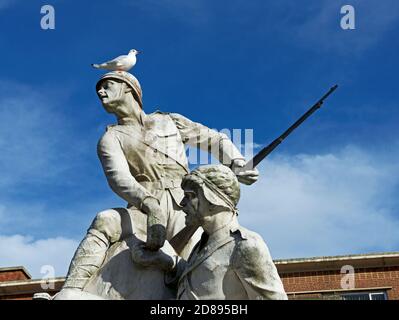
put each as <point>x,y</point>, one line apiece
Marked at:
<point>194,205</point>
<point>112,94</point>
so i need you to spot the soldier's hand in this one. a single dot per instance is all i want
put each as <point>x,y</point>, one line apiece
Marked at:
<point>247,177</point>
<point>148,258</point>
<point>156,223</point>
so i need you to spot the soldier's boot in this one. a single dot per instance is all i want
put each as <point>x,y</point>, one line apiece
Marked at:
<point>87,260</point>
<point>90,255</point>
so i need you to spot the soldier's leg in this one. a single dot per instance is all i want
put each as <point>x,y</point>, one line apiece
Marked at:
<point>105,230</point>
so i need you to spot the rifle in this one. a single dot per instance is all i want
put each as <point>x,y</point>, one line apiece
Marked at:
<point>179,241</point>
<point>268,149</point>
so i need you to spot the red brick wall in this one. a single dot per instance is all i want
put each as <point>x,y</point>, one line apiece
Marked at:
<point>330,280</point>
<point>12,275</point>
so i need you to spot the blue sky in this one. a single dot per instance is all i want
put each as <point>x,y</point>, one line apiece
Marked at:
<point>330,188</point>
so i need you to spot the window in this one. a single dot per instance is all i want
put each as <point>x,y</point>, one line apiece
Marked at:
<point>365,296</point>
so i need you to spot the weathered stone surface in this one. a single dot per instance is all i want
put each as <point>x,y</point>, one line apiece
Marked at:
<point>121,278</point>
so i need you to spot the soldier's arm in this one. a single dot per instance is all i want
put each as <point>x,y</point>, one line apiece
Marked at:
<point>117,171</point>
<point>198,135</point>
<point>254,267</point>
<point>121,181</point>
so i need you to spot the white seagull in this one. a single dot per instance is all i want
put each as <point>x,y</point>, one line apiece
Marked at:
<point>121,63</point>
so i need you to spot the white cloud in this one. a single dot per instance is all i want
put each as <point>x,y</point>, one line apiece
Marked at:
<point>18,250</point>
<point>317,205</point>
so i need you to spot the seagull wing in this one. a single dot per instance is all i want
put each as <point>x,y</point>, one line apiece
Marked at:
<point>117,62</point>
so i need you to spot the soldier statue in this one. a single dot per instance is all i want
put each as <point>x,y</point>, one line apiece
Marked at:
<point>144,160</point>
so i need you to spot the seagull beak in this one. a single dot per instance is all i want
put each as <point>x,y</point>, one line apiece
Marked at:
<point>137,51</point>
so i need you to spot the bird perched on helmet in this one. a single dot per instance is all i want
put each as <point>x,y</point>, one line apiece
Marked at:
<point>121,63</point>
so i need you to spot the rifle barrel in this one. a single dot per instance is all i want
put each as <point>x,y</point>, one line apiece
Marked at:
<point>268,149</point>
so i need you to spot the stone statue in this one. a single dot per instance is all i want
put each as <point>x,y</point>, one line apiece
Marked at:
<point>229,262</point>
<point>144,160</point>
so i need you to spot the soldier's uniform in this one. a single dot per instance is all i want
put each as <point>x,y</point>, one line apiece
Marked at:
<point>233,264</point>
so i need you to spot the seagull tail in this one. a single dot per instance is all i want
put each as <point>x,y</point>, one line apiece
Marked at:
<point>95,65</point>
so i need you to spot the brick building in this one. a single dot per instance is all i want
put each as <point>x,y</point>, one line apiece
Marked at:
<point>352,277</point>
<point>375,277</point>
<point>17,284</point>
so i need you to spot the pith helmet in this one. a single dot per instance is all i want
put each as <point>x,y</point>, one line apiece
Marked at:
<point>129,79</point>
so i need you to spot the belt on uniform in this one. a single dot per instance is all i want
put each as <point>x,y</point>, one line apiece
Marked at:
<point>162,184</point>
